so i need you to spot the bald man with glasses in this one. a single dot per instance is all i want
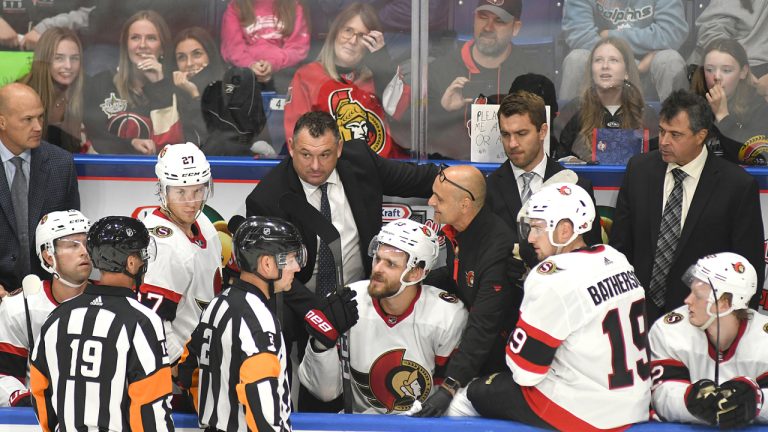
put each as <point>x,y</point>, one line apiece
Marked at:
<point>479,246</point>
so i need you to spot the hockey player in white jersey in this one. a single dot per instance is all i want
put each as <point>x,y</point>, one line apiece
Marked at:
<point>691,383</point>
<point>578,355</point>
<point>185,275</point>
<point>406,331</point>
<point>60,246</point>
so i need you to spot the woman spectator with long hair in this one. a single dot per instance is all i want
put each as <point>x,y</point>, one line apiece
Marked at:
<point>133,110</point>
<point>740,112</point>
<point>348,79</point>
<point>57,76</point>
<point>611,98</point>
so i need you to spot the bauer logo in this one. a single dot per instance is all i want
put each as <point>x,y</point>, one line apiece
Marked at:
<point>390,212</point>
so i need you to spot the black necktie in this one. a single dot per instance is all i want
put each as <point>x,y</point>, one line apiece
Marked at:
<point>669,234</point>
<point>19,198</point>
<point>326,268</point>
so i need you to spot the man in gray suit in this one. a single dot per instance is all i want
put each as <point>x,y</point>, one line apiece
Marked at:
<point>39,178</point>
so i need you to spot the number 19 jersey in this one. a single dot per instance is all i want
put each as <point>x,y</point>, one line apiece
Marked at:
<point>579,350</point>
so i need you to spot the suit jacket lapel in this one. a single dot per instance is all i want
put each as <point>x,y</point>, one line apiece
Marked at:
<point>295,187</point>
<point>707,182</point>
<point>38,179</point>
<point>354,196</point>
<point>655,203</point>
<point>511,194</point>
<point>5,200</point>
<point>552,168</point>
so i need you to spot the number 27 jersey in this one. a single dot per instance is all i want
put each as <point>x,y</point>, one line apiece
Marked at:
<point>579,350</point>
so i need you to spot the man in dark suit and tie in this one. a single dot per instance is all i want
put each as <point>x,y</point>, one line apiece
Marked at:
<point>38,178</point>
<point>523,126</point>
<point>681,202</point>
<point>346,183</point>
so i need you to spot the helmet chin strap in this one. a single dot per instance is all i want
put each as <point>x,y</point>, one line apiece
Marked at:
<point>58,276</point>
<point>560,246</point>
<point>404,284</point>
<point>713,316</point>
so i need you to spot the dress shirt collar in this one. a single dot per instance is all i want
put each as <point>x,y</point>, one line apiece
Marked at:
<point>692,168</point>
<point>6,155</point>
<point>310,189</point>
<point>539,169</point>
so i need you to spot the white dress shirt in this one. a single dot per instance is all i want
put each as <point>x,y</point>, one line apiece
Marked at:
<point>10,168</point>
<point>693,169</point>
<point>344,222</point>
<point>536,182</point>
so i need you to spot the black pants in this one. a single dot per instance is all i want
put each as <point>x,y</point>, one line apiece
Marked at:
<point>498,396</point>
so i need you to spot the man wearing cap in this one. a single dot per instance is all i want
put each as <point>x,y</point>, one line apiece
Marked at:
<point>523,126</point>
<point>482,67</point>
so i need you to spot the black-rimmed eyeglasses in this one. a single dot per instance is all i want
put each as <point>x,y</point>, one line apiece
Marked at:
<point>441,176</point>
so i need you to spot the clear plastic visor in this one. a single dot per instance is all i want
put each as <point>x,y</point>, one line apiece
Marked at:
<point>391,252</point>
<point>296,258</point>
<point>697,282</point>
<point>188,194</point>
<point>149,253</point>
<point>527,226</point>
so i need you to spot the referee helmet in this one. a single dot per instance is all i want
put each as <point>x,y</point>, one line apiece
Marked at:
<point>260,235</point>
<point>112,239</point>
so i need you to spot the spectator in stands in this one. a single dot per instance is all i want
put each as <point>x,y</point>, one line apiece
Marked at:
<point>740,113</point>
<point>655,29</point>
<point>264,35</point>
<point>611,99</point>
<point>348,79</point>
<point>133,110</point>
<point>746,23</point>
<point>198,64</point>
<point>22,22</point>
<point>57,77</point>
<point>484,66</point>
<point>715,206</point>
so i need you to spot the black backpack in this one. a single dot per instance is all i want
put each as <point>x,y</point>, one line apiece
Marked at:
<point>233,112</point>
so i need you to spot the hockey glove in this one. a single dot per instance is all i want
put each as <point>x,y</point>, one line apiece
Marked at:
<point>516,271</point>
<point>701,400</point>
<point>436,404</point>
<point>21,398</point>
<point>336,314</point>
<point>739,402</point>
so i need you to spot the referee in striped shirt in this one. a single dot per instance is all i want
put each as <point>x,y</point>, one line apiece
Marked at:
<point>237,351</point>
<point>100,362</point>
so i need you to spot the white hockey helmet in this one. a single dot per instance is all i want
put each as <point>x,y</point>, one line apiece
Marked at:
<point>417,240</point>
<point>53,226</point>
<point>554,203</point>
<point>725,272</point>
<point>182,165</point>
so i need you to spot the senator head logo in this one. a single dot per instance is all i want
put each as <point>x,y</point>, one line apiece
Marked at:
<point>394,383</point>
<point>355,122</point>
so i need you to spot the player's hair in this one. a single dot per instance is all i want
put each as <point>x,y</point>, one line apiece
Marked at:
<point>284,10</point>
<point>699,112</point>
<point>123,79</point>
<point>740,314</point>
<point>39,78</point>
<point>521,103</point>
<point>199,34</point>
<point>317,123</point>
<point>327,56</point>
<point>632,104</point>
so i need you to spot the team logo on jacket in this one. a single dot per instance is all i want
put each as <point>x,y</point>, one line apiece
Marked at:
<point>394,383</point>
<point>355,122</point>
<point>673,318</point>
<point>470,279</point>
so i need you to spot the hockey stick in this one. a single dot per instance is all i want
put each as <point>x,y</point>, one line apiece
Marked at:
<point>30,285</point>
<point>300,209</point>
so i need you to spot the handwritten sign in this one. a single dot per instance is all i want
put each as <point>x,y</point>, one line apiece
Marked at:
<point>485,137</point>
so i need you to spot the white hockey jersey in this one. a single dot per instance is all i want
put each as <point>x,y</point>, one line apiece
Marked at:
<point>183,278</point>
<point>394,359</point>
<point>682,354</point>
<point>14,338</point>
<point>579,349</point>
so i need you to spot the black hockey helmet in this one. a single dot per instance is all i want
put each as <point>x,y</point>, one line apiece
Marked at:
<point>112,239</point>
<point>259,235</point>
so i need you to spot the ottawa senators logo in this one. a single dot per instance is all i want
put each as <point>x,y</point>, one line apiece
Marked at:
<point>427,232</point>
<point>450,298</point>
<point>470,279</point>
<point>547,267</point>
<point>161,231</point>
<point>355,122</point>
<point>564,190</point>
<point>739,267</point>
<point>394,383</point>
<point>673,318</point>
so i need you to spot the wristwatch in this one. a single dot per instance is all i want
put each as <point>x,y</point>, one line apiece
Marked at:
<point>451,384</point>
